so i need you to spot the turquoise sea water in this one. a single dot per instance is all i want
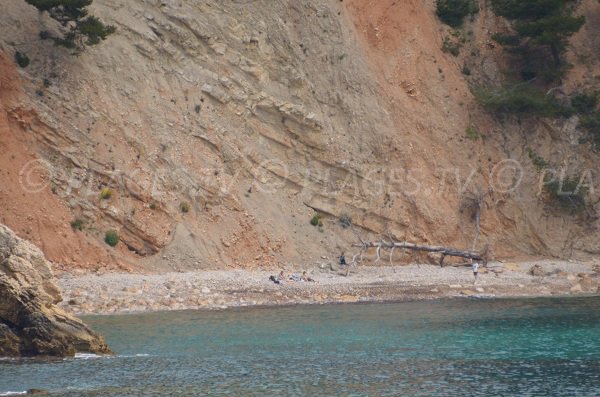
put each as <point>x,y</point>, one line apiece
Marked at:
<point>508,347</point>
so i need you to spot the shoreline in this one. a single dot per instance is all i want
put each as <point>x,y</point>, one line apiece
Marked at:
<point>122,293</point>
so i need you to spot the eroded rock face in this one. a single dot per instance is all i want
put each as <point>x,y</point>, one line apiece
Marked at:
<point>30,322</point>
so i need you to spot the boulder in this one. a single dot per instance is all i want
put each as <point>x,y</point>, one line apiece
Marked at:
<point>30,322</point>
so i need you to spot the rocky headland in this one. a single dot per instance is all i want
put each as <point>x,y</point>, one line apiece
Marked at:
<point>31,323</point>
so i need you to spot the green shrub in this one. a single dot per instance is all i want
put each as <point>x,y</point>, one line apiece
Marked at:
<point>22,59</point>
<point>537,160</point>
<point>506,39</point>
<point>451,47</point>
<point>345,221</point>
<point>316,220</point>
<point>81,27</point>
<point>466,70</point>
<point>585,103</point>
<point>184,207</point>
<point>521,99</point>
<point>197,108</point>
<point>453,12</point>
<point>567,193</point>
<point>77,224</point>
<point>591,123</point>
<point>106,193</point>
<point>153,205</point>
<point>472,133</point>
<point>111,238</point>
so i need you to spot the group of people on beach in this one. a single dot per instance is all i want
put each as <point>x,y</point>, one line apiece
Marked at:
<point>294,277</point>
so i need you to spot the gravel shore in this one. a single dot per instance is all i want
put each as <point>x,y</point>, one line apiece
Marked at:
<point>134,292</point>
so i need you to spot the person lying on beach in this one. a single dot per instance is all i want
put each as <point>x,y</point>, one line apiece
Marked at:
<point>274,279</point>
<point>295,277</point>
<point>278,279</point>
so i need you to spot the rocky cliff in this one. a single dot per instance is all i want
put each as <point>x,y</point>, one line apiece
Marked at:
<point>30,322</point>
<point>221,128</point>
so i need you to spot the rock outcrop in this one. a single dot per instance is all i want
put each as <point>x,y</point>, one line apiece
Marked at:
<point>30,322</point>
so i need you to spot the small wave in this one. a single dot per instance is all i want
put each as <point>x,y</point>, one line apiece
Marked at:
<point>133,355</point>
<point>13,393</point>
<point>86,356</point>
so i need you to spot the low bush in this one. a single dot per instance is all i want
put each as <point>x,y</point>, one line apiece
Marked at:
<point>184,207</point>
<point>567,193</point>
<point>584,103</point>
<point>450,46</point>
<point>316,220</point>
<point>22,59</point>
<point>106,193</point>
<point>591,122</point>
<point>472,133</point>
<point>77,224</point>
<point>537,160</point>
<point>345,221</point>
<point>111,238</point>
<point>453,12</point>
<point>522,99</point>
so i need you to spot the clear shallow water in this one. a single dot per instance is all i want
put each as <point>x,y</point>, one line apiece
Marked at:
<point>539,347</point>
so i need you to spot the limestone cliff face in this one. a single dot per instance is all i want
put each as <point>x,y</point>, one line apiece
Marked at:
<point>259,113</point>
<point>30,322</point>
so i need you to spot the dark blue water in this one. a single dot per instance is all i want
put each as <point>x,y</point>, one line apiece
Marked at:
<point>539,347</point>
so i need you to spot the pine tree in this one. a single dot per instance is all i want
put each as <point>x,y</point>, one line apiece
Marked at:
<point>540,26</point>
<point>80,28</point>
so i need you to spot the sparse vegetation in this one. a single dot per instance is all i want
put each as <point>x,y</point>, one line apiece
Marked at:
<point>22,59</point>
<point>111,238</point>
<point>79,28</point>
<point>584,103</point>
<point>451,46</point>
<point>567,193</point>
<point>345,221</point>
<point>184,207</point>
<point>453,12</point>
<point>153,205</point>
<point>472,133</point>
<point>520,99</point>
<point>197,108</point>
<point>466,70</point>
<point>316,220</point>
<point>77,224</point>
<point>591,123</point>
<point>106,193</point>
<point>536,159</point>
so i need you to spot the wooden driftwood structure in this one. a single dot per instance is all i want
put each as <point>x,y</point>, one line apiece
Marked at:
<point>443,251</point>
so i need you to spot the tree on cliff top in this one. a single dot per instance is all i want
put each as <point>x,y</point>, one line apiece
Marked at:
<point>80,28</point>
<point>540,26</point>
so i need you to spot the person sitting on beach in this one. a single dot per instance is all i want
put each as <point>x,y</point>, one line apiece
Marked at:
<point>305,277</point>
<point>278,279</point>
